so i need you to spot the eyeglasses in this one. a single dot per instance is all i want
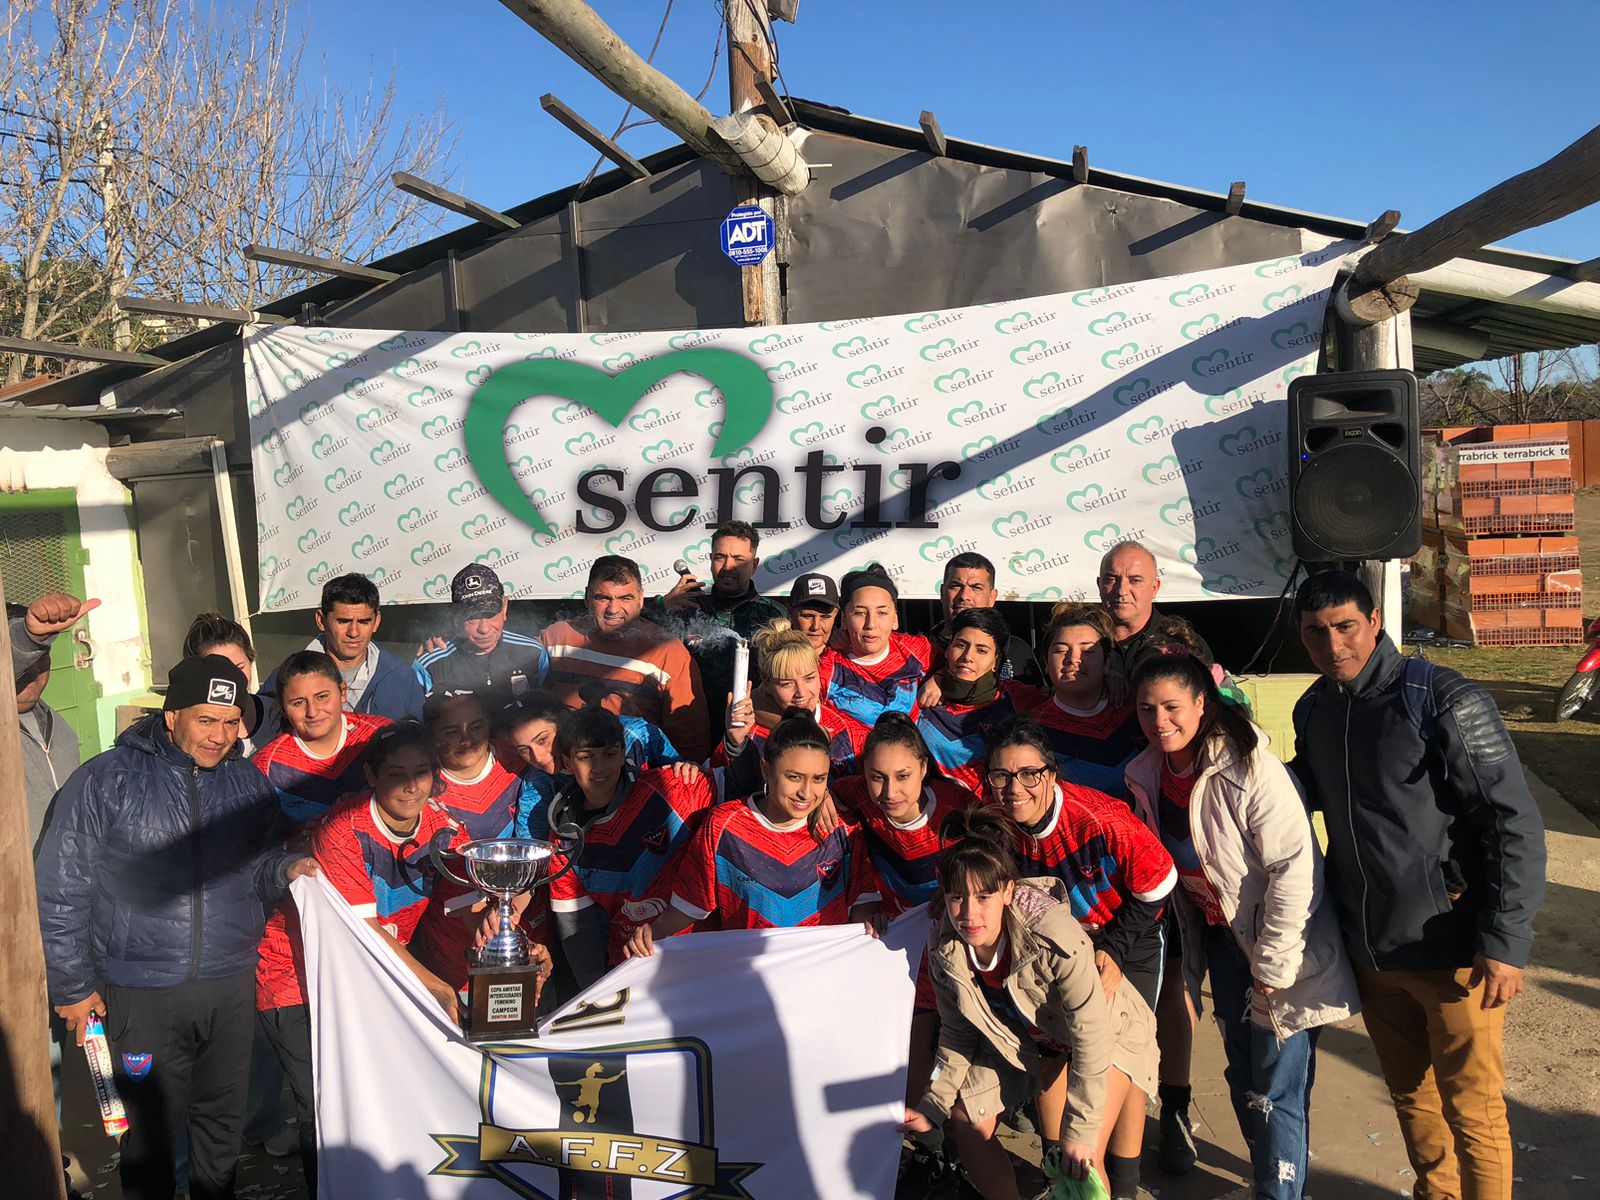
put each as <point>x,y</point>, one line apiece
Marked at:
<point>1027,776</point>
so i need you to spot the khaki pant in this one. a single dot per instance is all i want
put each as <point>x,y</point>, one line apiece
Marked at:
<point>1442,1057</point>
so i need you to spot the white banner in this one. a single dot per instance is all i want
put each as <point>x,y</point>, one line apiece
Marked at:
<point>1036,431</point>
<point>766,1064</point>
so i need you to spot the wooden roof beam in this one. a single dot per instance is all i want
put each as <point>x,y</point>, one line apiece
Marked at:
<point>1080,164</point>
<point>454,201</point>
<point>937,146</point>
<point>1584,272</point>
<point>593,136</point>
<point>1235,200</point>
<point>80,353</point>
<point>777,106</point>
<point>324,266</point>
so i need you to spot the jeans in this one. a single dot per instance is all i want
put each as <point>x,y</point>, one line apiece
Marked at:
<point>1269,1080</point>
<point>1442,1056</point>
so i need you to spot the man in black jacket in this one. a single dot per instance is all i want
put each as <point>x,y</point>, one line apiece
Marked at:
<point>1436,863</point>
<point>158,863</point>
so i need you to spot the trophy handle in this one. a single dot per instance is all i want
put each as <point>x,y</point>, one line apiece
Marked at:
<point>572,834</point>
<point>437,851</point>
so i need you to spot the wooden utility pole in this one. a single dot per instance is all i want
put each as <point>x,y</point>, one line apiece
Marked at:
<point>750,66</point>
<point>30,1143</point>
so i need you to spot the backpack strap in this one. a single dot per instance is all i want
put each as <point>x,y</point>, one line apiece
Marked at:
<point>1416,689</point>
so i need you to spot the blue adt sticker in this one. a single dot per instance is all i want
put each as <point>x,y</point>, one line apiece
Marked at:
<point>747,234</point>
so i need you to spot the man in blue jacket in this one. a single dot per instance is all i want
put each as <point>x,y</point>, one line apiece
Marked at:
<point>375,680</point>
<point>158,863</point>
<point>1436,864</point>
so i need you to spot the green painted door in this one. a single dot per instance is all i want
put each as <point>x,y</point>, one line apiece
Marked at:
<point>41,552</point>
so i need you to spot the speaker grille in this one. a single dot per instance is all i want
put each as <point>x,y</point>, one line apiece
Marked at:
<point>1357,498</point>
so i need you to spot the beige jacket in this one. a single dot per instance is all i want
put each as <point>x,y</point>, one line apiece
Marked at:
<point>1055,985</point>
<point>1254,839</point>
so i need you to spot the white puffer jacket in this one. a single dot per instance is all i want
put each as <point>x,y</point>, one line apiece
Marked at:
<point>1254,839</point>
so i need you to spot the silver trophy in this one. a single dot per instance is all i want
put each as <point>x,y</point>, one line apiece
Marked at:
<point>502,987</point>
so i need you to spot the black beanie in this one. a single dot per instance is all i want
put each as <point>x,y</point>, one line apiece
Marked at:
<point>871,575</point>
<point>206,679</point>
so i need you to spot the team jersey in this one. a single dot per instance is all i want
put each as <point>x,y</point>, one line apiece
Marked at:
<point>742,776</point>
<point>308,786</point>
<point>1096,846</point>
<point>740,871</point>
<point>1172,813</point>
<point>865,691</point>
<point>955,733</point>
<point>645,744</point>
<point>382,876</point>
<point>621,866</point>
<point>904,858</point>
<point>517,665</point>
<point>486,806</point>
<point>1092,750</point>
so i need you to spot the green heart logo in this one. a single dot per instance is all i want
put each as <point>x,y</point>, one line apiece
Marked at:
<point>1035,388</point>
<point>1023,355</point>
<point>332,480</point>
<point>296,508</point>
<point>307,539</point>
<point>867,376</point>
<point>423,397</point>
<point>318,572</point>
<point>937,550</point>
<point>350,513</point>
<point>1138,430</point>
<point>762,344</point>
<point>776,373</point>
<point>899,480</point>
<point>1247,485</point>
<point>567,413</point>
<point>448,460</point>
<point>922,323</point>
<point>973,449</point>
<point>746,386</point>
<point>1085,299</point>
<point>872,409</point>
<point>323,334</point>
<point>437,588</point>
<point>391,486</point>
<point>989,487</point>
<point>969,410</point>
<point>697,552</point>
<point>1270,270</point>
<point>1103,538</point>
<point>294,380</point>
<point>323,446</point>
<point>381,450</point>
<point>1297,334</point>
<point>1273,301</point>
<point>808,430</point>
<point>1061,458</point>
<point>543,352</point>
<point>937,350</point>
<point>1152,472</point>
<point>1199,327</point>
<point>1229,442</point>
<point>851,348</point>
<point>466,349</point>
<point>1218,406</point>
<point>1179,512</point>
<point>489,556</point>
<point>478,374</point>
<point>620,362</point>
<point>334,361</point>
<point>1002,526</point>
<point>282,475</point>
<point>622,543</point>
<point>787,404</point>
<point>1189,295</point>
<point>895,435</point>
<point>269,566</point>
<point>1272,525</point>
<point>654,452</point>
<point>1111,358</point>
<point>405,367</point>
<point>278,597</point>
<point>1008,325</point>
<point>639,422</point>
<point>350,389</point>
<point>752,492</point>
<point>474,526</point>
<point>1049,594</point>
<point>1223,583</point>
<point>707,400</point>
<point>1295,372</point>
<point>1100,326</point>
<point>1190,552</point>
<point>364,421</point>
<point>363,546</point>
<point>1079,501</point>
<point>1201,365</point>
<point>435,428</point>
<point>461,493</point>
<point>408,520</point>
<point>1125,395</point>
<point>1019,563</point>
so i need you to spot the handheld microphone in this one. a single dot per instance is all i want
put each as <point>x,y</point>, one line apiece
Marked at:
<point>681,567</point>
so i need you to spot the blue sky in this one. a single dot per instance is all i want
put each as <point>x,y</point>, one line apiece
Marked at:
<point>1344,108</point>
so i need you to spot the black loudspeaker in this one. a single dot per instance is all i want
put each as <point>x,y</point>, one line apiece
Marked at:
<point>1355,483</point>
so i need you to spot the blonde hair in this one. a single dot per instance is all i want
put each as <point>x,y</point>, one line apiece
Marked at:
<point>780,647</point>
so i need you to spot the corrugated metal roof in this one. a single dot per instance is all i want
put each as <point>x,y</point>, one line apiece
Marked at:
<point>1510,328</point>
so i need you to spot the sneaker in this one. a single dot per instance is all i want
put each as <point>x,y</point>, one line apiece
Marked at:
<point>1177,1154</point>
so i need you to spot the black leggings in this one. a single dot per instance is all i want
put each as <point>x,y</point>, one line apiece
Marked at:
<point>289,1031</point>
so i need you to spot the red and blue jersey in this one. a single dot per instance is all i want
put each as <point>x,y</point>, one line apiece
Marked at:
<point>955,733</point>
<point>865,691</point>
<point>742,774</point>
<point>1102,852</point>
<point>383,876</point>
<point>623,865</point>
<point>309,786</point>
<point>740,871</point>
<point>1092,749</point>
<point>904,858</point>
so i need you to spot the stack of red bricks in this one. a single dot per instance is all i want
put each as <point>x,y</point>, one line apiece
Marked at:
<point>1499,561</point>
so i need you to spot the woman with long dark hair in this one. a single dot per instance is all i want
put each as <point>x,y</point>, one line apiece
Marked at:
<point>966,694</point>
<point>1021,1010</point>
<point>1250,907</point>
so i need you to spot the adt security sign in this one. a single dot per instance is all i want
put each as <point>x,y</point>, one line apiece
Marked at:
<point>747,234</point>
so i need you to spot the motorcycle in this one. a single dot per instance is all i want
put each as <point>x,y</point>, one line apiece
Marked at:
<point>1585,681</point>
